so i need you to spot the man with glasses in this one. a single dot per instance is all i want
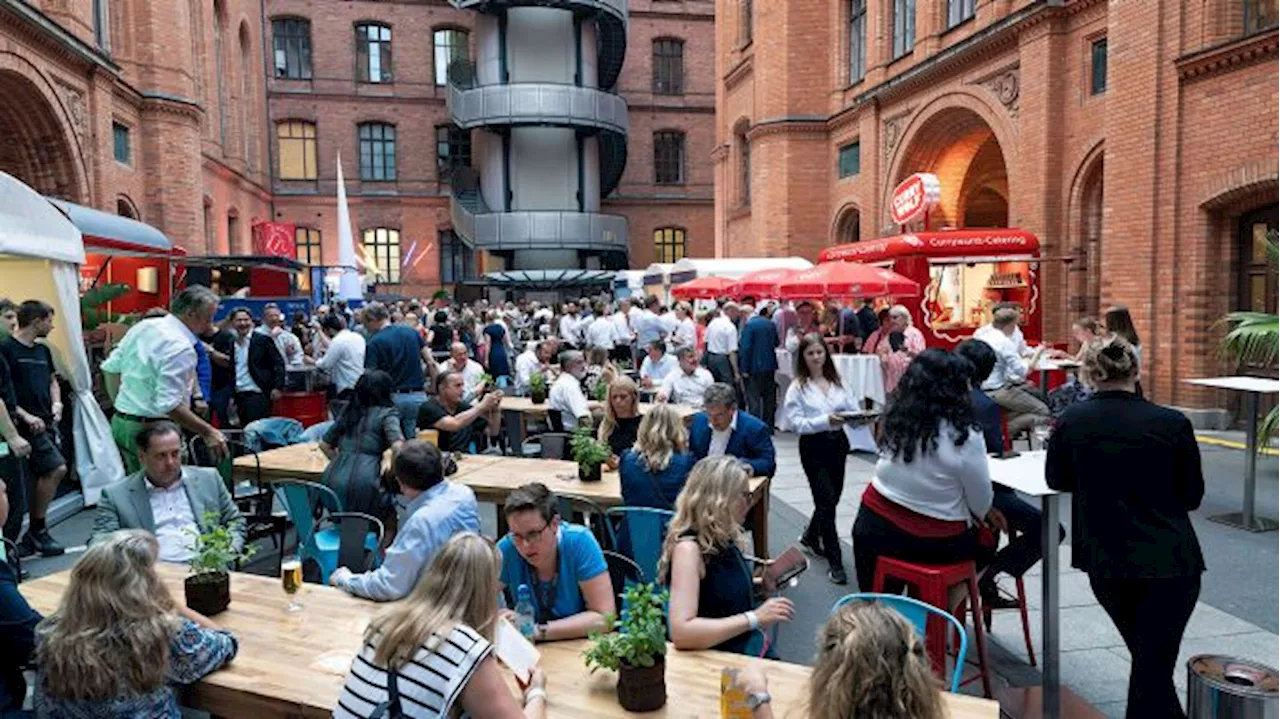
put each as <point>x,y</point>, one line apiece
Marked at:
<point>561,563</point>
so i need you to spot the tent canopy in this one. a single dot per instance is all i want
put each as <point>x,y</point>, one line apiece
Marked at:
<point>658,273</point>
<point>31,227</point>
<point>545,280</point>
<point>113,234</point>
<point>732,268</point>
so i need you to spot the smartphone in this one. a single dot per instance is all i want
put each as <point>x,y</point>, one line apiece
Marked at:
<point>789,565</point>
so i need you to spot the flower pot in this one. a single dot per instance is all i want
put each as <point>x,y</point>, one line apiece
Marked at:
<point>208,593</point>
<point>537,397</point>
<point>589,474</point>
<point>643,689</point>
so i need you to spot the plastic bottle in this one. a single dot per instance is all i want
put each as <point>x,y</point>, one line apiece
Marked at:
<point>524,612</point>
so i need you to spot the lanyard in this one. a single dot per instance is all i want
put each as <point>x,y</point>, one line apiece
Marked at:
<point>544,593</point>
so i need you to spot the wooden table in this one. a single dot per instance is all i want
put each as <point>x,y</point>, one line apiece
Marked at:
<point>525,406</point>
<point>492,477</point>
<point>294,665</point>
<point>1255,387</point>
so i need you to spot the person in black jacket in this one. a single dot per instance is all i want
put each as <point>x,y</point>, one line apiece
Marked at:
<point>1134,470</point>
<point>257,365</point>
<point>17,633</point>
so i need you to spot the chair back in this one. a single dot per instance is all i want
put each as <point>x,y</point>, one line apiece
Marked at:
<point>272,432</point>
<point>307,503</point>
<point>9,554</point>
<point>354,530</point>
<point>622,573</point>
<point>554,445</point>
<point>316,432</point>
<point>918,613</point>
<point>638,533</point>
<point>198,454</point>
<point>583,511</point>
<point>556,420</point>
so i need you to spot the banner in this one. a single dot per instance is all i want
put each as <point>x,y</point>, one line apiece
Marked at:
<point>275,239</point>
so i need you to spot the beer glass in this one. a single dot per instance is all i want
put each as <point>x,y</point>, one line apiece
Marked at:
<point>291,578</point>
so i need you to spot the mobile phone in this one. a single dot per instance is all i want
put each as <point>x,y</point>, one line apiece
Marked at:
<point>789,565</point>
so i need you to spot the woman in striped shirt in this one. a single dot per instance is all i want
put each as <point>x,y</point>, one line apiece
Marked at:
<point>432,655</point>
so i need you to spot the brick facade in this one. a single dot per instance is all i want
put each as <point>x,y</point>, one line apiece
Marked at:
<point>1142,182</point>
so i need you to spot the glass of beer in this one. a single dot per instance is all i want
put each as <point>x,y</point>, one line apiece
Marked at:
<point>291,578</point>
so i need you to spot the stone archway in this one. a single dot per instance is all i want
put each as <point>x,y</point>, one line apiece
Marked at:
<point>848,226</point>
<point>37,148</point>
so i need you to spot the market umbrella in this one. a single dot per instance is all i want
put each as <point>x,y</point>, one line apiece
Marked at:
<point>761,283</point>
<point>846,279</point>
<point>703,288</point>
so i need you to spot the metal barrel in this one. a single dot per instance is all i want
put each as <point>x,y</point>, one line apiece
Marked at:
<point>1220,687</point>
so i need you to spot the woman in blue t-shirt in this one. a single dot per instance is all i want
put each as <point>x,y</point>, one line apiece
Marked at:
<point>562,564</point>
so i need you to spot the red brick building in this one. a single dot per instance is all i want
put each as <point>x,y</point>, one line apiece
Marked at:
<point>1138,138</point>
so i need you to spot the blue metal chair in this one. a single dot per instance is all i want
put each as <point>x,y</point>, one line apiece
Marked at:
<point>916,612</point>
<point>310,506</point>
<point>637,533</point>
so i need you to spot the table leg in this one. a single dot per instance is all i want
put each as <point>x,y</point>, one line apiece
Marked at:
<point>758,520</point>
<point>1248,519</point>
<point>1051,699</point>
<point>1044,382</point>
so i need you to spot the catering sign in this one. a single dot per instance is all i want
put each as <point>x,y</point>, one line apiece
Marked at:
<point>914,197</point>
<point>996,241</point>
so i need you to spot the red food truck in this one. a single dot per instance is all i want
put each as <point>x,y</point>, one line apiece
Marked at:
<point>962,273</point>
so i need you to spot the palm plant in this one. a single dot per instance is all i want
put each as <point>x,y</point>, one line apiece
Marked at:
<point>1253,340</point>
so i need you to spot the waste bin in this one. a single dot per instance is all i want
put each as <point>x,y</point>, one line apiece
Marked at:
<point>1221,687</point>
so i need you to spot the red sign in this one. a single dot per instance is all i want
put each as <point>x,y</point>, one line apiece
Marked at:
<point>948,243</point>
<point>914,197</point>
<point>274,238</point>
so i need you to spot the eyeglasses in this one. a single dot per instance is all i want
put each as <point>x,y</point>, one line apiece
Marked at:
<point>528,537</point>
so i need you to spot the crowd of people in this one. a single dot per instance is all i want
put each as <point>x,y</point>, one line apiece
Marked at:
<point>397,369</point>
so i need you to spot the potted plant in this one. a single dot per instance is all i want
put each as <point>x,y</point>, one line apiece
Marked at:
<point>208,588</point>
<point>637,650</point>
<point>537,388</point>
<point>600,392</point>
<point>589,453</point>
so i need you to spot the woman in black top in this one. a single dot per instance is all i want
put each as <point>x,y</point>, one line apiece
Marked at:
<point>441,333</point>
<point>1134,472</point>
<point>621,418</point>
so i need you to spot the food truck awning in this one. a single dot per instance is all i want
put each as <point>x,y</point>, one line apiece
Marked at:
<point>946,244</point>
<point>110,234</point>
<point>266,262</point>
<point>732,268</point>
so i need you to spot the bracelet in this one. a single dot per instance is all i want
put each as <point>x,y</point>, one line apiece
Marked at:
<point>535,693</point>
<point>752,620</point>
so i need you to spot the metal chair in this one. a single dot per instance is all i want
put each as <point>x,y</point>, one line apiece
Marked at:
<point>918,613</point>
<point>252,498</point>
<point>354,529</point>
<point>638,533</point>
<point>585,512</point>
<point>11,556</point>
<point>622,572</point>
<point>309,504</point>
<point>554,445</point>
<point>513,433</point>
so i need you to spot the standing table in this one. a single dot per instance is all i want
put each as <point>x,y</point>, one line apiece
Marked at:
<point>1050,365</point>
<point>1255,387</point>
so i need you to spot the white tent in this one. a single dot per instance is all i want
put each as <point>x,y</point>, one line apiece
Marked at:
<point>40,255</point>
<point>731,267</point>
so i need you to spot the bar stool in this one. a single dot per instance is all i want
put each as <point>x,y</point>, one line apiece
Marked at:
<point>932,582</point>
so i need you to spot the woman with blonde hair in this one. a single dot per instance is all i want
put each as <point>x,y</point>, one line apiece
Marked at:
<point>712,592</point>
<point>870,663</point>
<point>432,655</point>
<point>621,421</point>
<point>654,471</point>
<point>118,642</point>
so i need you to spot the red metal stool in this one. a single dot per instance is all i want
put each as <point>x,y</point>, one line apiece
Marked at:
<point>1021,597</point>
<point>931,583</point>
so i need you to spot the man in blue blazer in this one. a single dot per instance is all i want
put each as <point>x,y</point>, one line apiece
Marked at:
<point>758,362</point>
<point>720,428</point>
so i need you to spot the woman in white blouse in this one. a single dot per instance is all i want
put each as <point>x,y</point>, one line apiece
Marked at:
<point>931,493</point>
<point>813,405</point>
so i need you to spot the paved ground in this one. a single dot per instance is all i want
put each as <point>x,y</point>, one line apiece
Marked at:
<point>1236,615</point>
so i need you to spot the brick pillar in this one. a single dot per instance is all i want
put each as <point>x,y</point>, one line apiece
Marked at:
<point>169,142</point>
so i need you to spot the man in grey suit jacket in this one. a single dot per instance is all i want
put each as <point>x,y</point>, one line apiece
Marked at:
<point>166,498</point>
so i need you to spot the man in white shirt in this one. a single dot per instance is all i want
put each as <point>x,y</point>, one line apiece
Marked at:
<point>623,337</point>
<point>1007,383</point>
<point>471,371</point>
<point>344,360</point>
<point>686,334</point>
<point>287,342</point>
<point>602,332</point>
<point>570,332</point>
<point>657,365</point>
<point>535,359</point>
<point>648,326</point>
<point>722,345</point>
<point>566,395</point>
<point>689,384</point>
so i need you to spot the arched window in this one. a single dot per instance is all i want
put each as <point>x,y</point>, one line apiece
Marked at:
<point>857,40</point>
<point>668,157</point>
<point>373,52</point>
<point>849,228</point>
<point>745,22</point>
<point>220,66</point>
<point>291,44</point>
<point>377,151</point>
<point>903,27</point>
<point>744,168</point>
<point>668,66</point>
<point>125,208</point>
<point>383,245</point>
<point>249,131</point>
<point>668,244</point>
<point>451,45</point>
<point>296,145</point>
<point>233,231</point>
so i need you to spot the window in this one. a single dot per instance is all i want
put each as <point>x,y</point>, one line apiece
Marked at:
<point>291,38</point>
<point>744,169</point>
<point>1259,15</point>
<point>744,22</point>
<point>668,66</point>
<point>383,245</point>
<point>668,244</point>
<point>457,261</point>
<point>451,45</point>
<point>101,26</point>
<point>850,160</point>
<point>904,27</point>
<point>373,53</point>
<point>958,11</point>
<point>120,143</point>
<point>857,40</point>
<point>668,157</point>
<point>377,151</point>
<point>453,150</point>
<point>1098,67</point>
<point>306,243</point>
<point>297,149</point>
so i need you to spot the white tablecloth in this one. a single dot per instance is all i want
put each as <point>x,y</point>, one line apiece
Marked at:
<point>863,376</point>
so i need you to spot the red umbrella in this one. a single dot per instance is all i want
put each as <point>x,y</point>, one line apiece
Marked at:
<point>846,279</point>
<point>761,283</point>
<point>703,288</point>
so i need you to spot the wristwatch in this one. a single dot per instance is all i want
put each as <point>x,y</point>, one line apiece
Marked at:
<point>754,701</point>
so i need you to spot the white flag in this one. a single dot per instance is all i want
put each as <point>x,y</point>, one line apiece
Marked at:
<point>349,282</point>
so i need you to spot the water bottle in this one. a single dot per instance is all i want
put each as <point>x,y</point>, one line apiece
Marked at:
<point>524,612</point>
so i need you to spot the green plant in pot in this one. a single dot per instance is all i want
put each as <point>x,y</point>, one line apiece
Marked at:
<point>589,453</point>
<point>538,388</point>
<point>600,392</point>
<point>637,650</point>
<point>208,587</point>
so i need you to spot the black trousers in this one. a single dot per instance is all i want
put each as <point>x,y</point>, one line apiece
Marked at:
<point>17,489</point>
<point>252,406</point>
<point>823,455</point>
<point>875,537</point>
<point>1025,549</point>
<point>762,396</point>
<point>1151,615</point>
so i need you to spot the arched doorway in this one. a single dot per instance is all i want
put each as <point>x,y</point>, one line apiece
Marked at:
<point>959,147</point>
<point>35,148</point>
<point>1085,273</point>
<point>849,226</point>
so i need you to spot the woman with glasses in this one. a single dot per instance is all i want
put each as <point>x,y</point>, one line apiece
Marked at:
<point>432,656</point>
<point>560,562</point>
<point>712,589</point>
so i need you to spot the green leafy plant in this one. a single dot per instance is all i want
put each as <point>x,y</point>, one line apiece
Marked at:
<point>91,302</point>
<point>1252,340</point>
<point>486,379</point>
<point>588,451</point>
<point>601,391</point>
<point>214,547</point>
<point>537,383</point>
<point>641,636</point>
